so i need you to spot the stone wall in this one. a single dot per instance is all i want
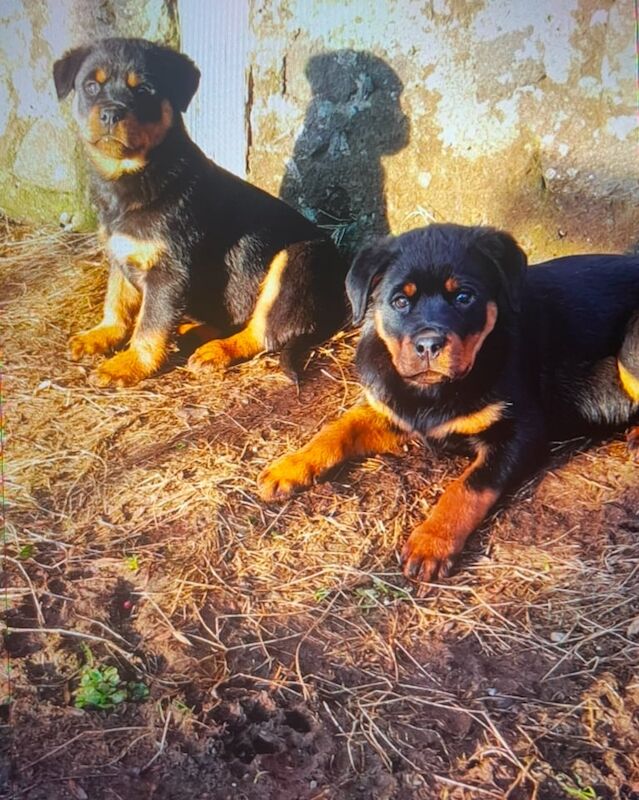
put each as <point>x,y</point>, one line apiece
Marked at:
<point>377,117</point>
<point>41,168</point>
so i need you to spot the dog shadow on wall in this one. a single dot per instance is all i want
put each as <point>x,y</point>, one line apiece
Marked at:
<point>335,176</point>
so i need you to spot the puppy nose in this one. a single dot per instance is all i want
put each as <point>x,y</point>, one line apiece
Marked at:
<point>429,344</point>
<point>109,115</point>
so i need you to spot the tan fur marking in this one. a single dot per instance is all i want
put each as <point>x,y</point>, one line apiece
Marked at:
<point>146,352</point>
<point>222,353</point>
<point>360,431</point>
<point>121,305</point>
<point>385,411</point>
<point>451,285</point>
<point>100,75</point>
<point>198,331</point>
<point>471,424</point>
<point>629,382</point>
<point>122,301</point>
<point>150,349</point>
<point>113,168</point>
<point>126,149</point>
<point>144,356</point>
<point>269,292</point>
<point>459,511</point>
<point>409,289</point>
<point>392,345</point>
<point>133,80</point>
<point>139,253</point>
<point>472,344</point>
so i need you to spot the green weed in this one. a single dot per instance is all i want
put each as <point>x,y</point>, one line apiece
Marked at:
<point>103,688</point>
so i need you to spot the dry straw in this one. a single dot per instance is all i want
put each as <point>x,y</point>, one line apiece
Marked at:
<point>508,678</point>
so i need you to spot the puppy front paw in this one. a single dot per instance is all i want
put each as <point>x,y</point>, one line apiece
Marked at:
<point>428,553</point>
<point>96,341</point>
<point>211,355</point>
<point>284,477</point>
<point>124,369</point>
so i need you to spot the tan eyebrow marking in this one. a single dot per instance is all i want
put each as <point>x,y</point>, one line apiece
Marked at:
<point>451,285</point>
<point>409,289</point>
<point>133,80</point>
<point>100,75</point>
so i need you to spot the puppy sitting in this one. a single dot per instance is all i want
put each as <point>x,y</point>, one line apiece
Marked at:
<point>184,236</point>
<point>462,342</point>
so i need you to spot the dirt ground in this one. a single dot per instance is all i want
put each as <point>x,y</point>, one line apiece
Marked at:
<point>284,654</point>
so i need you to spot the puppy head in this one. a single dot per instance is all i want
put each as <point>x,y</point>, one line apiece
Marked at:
<point>437,294</point>
<point>128,94</point>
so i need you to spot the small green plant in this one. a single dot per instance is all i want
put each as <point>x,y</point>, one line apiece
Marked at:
<point>25,552</point>
<point>321,594</point>
<point>100,687</point>
<point>574,788</point>
<point>132,562</point>
<point>103,688</point>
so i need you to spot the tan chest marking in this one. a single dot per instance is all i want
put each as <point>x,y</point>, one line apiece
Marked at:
<point>471,424</point>
<point>142,254</point>
<point>387,412</point>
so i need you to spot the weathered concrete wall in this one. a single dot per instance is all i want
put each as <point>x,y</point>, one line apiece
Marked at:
<point>40,164</point>
<point>382,116</point>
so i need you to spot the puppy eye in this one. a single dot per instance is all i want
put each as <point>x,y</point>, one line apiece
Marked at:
<point>143,89</point>
<point>92,87</point>
<point>464,297</point>
<point>400,303</point>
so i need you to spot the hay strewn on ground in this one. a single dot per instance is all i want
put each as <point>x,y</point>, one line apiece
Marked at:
<point>285,654</point>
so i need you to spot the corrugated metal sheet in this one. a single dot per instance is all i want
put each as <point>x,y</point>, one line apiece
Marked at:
<point>215,34</point>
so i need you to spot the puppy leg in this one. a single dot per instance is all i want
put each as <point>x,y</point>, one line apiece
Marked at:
<point>298,305</point>
<point>360,431</point>
<point>148,346</point>
<point>432,546</point>
<point>222,353</point>
<point>628,367</point>
<point>121,305</point>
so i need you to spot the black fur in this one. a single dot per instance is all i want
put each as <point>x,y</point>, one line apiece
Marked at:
<point>552,364</point>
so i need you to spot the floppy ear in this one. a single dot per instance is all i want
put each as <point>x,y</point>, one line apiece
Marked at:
<point>366,270</point>
<point>509,260</point>
<point>66,68</point>
<point>181,77</point>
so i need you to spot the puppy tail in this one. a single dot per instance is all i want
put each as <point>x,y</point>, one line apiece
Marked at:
<point>292,357</point>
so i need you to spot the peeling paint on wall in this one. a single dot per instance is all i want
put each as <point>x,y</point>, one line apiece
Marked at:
<point>521,114</point>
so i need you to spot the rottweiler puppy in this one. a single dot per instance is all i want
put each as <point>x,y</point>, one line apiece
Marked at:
<point>462,343</point>
<point>183,236</point>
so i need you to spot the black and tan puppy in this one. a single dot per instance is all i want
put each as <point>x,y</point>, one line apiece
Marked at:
<point>462,342</point>
<point>183,236</point>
